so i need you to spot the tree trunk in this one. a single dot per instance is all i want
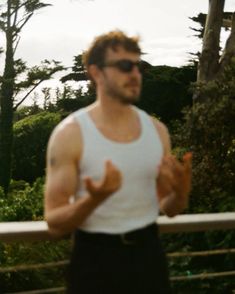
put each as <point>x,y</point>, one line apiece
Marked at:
<point>229,51</point>
<point>6,117</point>
<point>209,59</point>
<point>208,65</point>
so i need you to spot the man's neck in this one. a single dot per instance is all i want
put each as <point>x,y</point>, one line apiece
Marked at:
<point>112,111</point>
<point>115,121</point>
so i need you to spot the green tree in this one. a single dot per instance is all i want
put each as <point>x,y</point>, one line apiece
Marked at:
<point>201,20</point>
<point>209,132</point>
<point>212,64</point>
<point>15,14</point>
<point>166,91</point>
<point>69,99</point>
<point>78,71</point>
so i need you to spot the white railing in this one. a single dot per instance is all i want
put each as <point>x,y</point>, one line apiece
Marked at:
<point>38,230</point>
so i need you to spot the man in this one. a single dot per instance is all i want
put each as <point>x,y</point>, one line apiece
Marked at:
<point>115,161</point>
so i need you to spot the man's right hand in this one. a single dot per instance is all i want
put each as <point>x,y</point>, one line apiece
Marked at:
<point>104,188</point>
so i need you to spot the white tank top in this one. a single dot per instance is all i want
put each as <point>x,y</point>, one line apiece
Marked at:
<point>135,204</point>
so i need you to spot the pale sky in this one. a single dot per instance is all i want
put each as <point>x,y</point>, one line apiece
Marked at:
<point>65,29</point>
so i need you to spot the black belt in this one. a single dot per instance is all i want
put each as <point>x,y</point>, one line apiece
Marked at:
<point>136,237</point>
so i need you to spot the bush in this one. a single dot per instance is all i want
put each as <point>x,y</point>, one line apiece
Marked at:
<point>25,203</point>
<point>23,253</point>
<point>31,136</point>
<point>208,131</point>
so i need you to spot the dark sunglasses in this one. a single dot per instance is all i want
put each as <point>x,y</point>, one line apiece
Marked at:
<point>124,65</point>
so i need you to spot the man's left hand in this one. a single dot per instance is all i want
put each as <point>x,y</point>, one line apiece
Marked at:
<point>174,183</point>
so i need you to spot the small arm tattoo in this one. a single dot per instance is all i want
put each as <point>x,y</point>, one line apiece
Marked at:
<point>52,161</point>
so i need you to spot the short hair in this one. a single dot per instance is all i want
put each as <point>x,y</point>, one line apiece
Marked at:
<point>97,52</point>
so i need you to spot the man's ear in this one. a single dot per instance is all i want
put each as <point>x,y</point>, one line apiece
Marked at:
<point>94,72</point>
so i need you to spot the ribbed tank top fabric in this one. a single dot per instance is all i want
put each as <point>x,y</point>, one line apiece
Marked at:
<point>135,204</point>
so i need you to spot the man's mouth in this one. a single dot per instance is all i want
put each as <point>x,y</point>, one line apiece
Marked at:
<point>131,85</point>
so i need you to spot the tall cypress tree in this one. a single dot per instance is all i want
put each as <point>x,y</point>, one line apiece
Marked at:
<point>15,14</point>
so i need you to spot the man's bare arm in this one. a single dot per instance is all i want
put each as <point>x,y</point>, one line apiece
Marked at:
<point>63,155</point>
<point>174,180</point>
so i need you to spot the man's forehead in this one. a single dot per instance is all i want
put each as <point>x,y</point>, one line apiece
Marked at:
<point>120,52</point>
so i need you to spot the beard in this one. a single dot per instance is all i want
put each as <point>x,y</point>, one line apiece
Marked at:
<point>128,93</point>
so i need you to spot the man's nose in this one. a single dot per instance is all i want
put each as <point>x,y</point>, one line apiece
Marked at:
<point>136,70</point>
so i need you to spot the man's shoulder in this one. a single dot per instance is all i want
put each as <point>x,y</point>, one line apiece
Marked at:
<point>66,126</point>
<point>160,126</point>
<point>66,134</point>
<point>164,135</point>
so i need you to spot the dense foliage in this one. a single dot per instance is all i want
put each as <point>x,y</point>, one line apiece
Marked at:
<point>166,91</point>
<point>24,203</point>
<point>209,132</point>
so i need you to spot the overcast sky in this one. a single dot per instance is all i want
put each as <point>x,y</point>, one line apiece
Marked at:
<point>65,29</point>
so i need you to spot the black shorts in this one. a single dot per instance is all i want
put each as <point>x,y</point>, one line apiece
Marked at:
<point>132,263</point>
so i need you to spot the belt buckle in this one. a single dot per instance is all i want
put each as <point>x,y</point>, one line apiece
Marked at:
<point>125,241</point>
